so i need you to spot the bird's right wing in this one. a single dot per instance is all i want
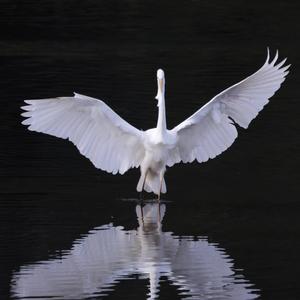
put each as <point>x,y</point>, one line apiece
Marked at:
<point>211,129</point>
<point>109,142</point>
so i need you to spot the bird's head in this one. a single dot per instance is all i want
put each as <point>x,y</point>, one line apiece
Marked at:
<point>160,84</point>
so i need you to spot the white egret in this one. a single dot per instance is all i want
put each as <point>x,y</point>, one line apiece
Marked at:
<point>113,145</point>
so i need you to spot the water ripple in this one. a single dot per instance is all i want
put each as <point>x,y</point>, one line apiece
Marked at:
<point>107,255</point>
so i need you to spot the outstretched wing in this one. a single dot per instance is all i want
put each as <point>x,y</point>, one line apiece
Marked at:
<point>100,134</point>
<point>211,130</point>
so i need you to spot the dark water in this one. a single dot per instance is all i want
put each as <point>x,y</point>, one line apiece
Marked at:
<point>229,228</point>
<point>108,254</point>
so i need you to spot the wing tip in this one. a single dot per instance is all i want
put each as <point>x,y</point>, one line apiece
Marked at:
<point>273,63</point>
<point>30,102</point>
<point>267,62</point>
<point>268,54</point>
<point>26,107</point>
<point>26,121</point>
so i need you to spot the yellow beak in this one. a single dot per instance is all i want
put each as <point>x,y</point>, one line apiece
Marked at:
<point>160,84</point>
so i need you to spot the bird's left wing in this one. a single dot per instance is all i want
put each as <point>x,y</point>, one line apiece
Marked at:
<point>99,133</point>
<point>211,130</point>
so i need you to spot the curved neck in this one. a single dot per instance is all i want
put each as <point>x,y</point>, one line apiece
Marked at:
<point>161,121</point>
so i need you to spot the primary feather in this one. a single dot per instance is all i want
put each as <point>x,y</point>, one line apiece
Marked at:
<point>101,135</point>
<point>211,129</point>
<point>114,145</point>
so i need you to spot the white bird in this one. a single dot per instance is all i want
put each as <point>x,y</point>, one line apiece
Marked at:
<point>113,145</point>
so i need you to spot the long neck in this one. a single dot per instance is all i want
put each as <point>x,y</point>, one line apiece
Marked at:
<point>161,121</point>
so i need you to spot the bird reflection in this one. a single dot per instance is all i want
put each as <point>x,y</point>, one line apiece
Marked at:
<point>108,254</point>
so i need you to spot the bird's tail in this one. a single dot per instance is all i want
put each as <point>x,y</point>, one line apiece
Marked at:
<point>152,183</point>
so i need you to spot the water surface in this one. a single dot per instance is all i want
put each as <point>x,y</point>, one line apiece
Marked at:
<point>108,254</point>
<point>231,227</point>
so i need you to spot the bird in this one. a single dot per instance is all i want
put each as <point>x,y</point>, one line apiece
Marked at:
<point>115,146</point>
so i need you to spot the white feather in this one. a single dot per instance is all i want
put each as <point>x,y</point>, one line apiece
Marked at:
<point>99,133</point>
<point>115,146</point>
<point>210,130</point>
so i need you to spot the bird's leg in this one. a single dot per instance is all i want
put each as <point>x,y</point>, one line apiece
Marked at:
<point>160,186</point>
<point>145,180</point>
<point>158,196</point>
<point>141,194</point>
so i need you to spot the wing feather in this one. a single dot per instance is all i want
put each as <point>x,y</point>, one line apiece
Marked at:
<point>211,129</point>
<point>96,130</point>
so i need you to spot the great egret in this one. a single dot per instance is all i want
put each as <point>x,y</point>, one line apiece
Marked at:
<point>113,145</point>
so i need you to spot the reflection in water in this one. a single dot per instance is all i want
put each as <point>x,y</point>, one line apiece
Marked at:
<point>108,254</point>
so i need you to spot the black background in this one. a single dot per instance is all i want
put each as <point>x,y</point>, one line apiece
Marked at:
<point>246,199</point>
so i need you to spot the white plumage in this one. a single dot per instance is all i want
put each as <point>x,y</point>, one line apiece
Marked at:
<point>113,145</point>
